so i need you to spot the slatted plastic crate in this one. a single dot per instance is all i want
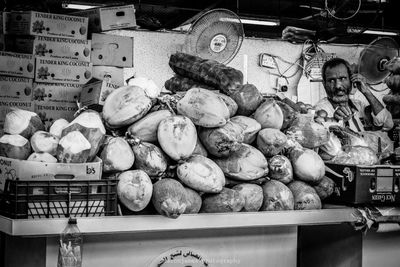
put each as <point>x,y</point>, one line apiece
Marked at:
<point>58,199</point>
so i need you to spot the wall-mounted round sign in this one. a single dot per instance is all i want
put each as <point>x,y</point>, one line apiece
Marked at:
<point>180,257</point>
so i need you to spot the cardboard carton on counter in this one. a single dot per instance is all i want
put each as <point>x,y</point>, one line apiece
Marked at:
<point>114,75</point>
<point>6,105</point>
<point>53,47</point>
<point>109,18</point>
<point>56,92</point>
<point>45,24</point>
<point>112,50</point>
<point>358,185</point>
<point>95,92</point>
<point>17,64</point>
<point>34,170</point>
<point>51,111</point>
<point>16,88</point>
<point>50,70</point>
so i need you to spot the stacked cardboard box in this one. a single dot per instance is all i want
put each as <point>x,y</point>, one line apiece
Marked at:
<point>50,49</point>
<point>110,53</point>
<point>51,64</point>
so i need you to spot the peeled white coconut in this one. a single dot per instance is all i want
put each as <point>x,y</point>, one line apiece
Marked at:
<point>73,148</point>
<point>90,124</point>
<point>134,189</point>
<point>111,155</point>
<point>152,90</point>
<point>22,122</point>
<point>57,127</point>
<point>14,146</point>
<point>42,141</point>
<point>42,157</point>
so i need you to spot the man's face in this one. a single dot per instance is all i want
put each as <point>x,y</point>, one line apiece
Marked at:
<point>337,84</point>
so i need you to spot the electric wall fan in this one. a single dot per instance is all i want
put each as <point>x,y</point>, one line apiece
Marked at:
<point>373,58</point>
<point>217,34</point>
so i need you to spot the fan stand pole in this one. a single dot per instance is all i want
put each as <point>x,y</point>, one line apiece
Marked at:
<point>245,59</point>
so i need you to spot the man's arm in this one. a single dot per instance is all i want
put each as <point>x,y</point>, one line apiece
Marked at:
<point>364,88</point>
<point>380,115</point>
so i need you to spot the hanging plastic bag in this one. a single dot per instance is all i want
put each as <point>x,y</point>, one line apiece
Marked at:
<point>314,58</point>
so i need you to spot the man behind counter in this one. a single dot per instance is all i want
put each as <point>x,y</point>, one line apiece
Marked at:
<point>338,80</point>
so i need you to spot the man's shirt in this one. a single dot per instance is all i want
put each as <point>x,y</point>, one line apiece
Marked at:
<point>382,119</point>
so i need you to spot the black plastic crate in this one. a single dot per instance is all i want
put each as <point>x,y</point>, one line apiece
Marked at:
<point>57,199</point>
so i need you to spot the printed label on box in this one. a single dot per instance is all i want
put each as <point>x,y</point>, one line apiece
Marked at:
<point>51,111</point>
<point>57,92</point>
<point>109,18</point>
<point>112,50</point>
<point>16,88</point>
<point>50,70</point>
<point>34,170</point>
<point>46,24</point>
<point>6,105</point>
<point>112,75</point>
<point>16,64</point>
<point>66,48</point>
<point>96,93</point>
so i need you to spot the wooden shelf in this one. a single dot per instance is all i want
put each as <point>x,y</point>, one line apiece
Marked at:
<point>157,223</point>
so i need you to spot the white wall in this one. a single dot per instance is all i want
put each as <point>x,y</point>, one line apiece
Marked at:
<point>153,49</point>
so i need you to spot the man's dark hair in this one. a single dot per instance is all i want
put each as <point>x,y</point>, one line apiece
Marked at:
<point>333,63</point>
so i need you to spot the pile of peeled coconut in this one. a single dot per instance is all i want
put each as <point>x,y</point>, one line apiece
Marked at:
<point>206,154</point>
<point>25,138</point>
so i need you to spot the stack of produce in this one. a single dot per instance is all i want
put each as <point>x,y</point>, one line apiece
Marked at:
<point>211,147</point>
<point>202,150</point>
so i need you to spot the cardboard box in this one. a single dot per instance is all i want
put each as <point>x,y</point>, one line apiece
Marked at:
<point>49,70</point>
<point>16,64</point>
<point>19,43</point>
<point>112,50</point>
<point>52,47</point>
<point>355,184</point>
<point>51,111</point>
<point>95,93</point>
<point>109,18</point>
<point>57,92</point>
<point>113,75</point>
<point>6,105</point>
<point>16,88</point>
<point>33,170</point>
<point>45,24</point>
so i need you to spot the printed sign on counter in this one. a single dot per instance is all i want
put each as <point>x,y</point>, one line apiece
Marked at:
<point>45,24</point>
<point>16,64</point>
<point>181,257</point>
<point>112,50</point>
<point>109,18</point>
<point>16,88</point>
<point>57,92</point>
<point>49,70</point>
